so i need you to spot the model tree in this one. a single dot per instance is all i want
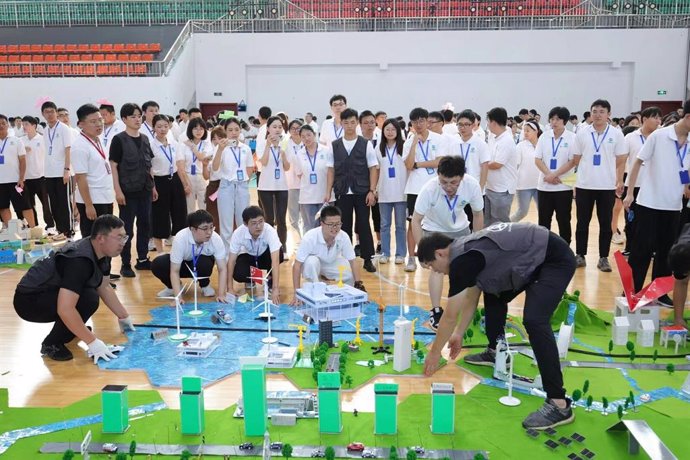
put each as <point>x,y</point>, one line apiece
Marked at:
<point>132,448</point>
<point>298,356</point>
<point>605,403</point>
<point>630,346</point>
<point>348,381</point>
<point>670,368</point>
<point>393,454</point>
<point>68,454</point>
<point>420,355</point>
<point>411,454</point>
<point>632,356</point>
<point>123,456</point>
<point>479,456</point>
<point>585,387</point>
<point>610,346</point>
<point>590,400</point>
<point>345,347</point>
<point>185,455</point>
<point>370,364</point>
<point>655,355</point>
<point>576,396</point>
<point>470,334</point>
<point>329,453</point>
<point>620,412</point>
<point>477,317</point>
<point>416,345</point>
<point>287,451</point>
<point>631,397</point>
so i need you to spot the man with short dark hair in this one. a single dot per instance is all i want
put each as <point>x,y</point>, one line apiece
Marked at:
<point>66,288</point>
<point>111,125</point>
<point>501,179</point>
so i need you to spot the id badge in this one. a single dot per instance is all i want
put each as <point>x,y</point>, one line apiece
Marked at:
<point>2,159</point>
<point>597,159</point>
<point>240,175</point>
<point>107,168</point>
<point>105,142</point>
<point>277,173</point>
<point>430,171</point>
<point>391,173</point>
<point>553,164</point>
<point>170,170</point>
<point>312,178</point>
<point>193,170</point>
<point>684,177</point>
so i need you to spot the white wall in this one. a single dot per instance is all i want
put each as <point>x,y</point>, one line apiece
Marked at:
<point>396,71</point>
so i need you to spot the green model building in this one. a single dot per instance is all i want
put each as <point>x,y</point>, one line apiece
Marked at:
<point>442,408</point>
<point>192,406</point>
<point>115,408</point>
<point>330,418</point>
<point>386,407</point>
<point>254,395</point>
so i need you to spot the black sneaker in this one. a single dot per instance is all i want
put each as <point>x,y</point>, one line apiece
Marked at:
<point>358,253</point>
<point>665,301</point>
<point>127,272</point>
<point>143,264</point>
<point>56,352</point>
<point>548,416</point>
<point>435,315</point>
<point>369,266</point>
<point>485,358</point>
<point>114,277</point>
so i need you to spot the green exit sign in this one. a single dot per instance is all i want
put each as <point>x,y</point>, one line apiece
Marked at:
<point>661,92</point>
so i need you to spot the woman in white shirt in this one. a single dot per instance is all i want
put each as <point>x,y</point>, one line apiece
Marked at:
<point>391,191</point>
<point>272,187</point>
<point>527,173</point>
<point>292,145</point>
<point>312,169</point>
<point>234,161</point>
<point>34,183</point>
<point>170,185</point>
<point>213,177</point>
<point>195,149</point>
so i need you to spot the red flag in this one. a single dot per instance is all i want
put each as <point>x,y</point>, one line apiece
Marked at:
<point>257,275</point>
<point>649,293</point>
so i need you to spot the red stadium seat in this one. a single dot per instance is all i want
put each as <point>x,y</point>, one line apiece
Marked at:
<point>59,48</point>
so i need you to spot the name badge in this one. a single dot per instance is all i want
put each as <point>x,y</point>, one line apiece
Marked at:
<point>429,171</point>
<point>193,170</point>
<point>684,177</point>
<point>597,159</point>
<point>107,168</point>
<point>2,159</point>
<point>277,173</point>
<point>553,163</point>
<point>391,172</point>
<point>105,142</point>
<point>312,178</point>
<point>170,170</point>
<point>240,175</point>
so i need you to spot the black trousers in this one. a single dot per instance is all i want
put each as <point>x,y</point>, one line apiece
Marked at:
<point>85,224</point>
<point>170,208</point>
<point>242,272</point>
<point>160,267</point>
<point>560,203</point>
<point>357,203</point>
<point>37,187</point>
<point>275,204</point>
<point>585,200</point>
<point>543,295</point>
<point>630,224</point>
<point>59,195</point>
<point>139,208</point>
<point>470,215</point>
<point>42,308</point>
<point>655,233</point>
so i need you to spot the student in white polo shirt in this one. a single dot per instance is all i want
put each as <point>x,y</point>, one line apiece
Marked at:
<point>195,149</point>
<point>501,179</point>
<point>292,144</point>
<point>255,244</point>
<point>95,190</point>
<point>331,129</point>
<point>111,125</point>
<point>666,161</point>
<point>151,109</point>
<point>527,172</point>
<point>322,251</point>
<point>440,207</point>
<point>554,156</point>
<point>12,170</point>
<point>600,158</point>
<point>195,249</point>
<point>34,182</point>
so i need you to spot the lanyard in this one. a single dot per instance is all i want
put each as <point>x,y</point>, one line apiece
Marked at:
<point>275,157</point>
<point>390,154</point>
<point>685,150</point>
<point>451,206</point>
<point>425,154</point>
<point>199,147</point>
<point>597,147</point>
<point>237,157</point>
<point>106,135</point>
<point>554,148</point>
<point>168,156</point>
<point>195,256</point>
<point>256,255</point>
<point>52,136</point>
<point>95,145</point>
<point>295,148</point>
<point>642,139</point>
<point>338,133</point>
<point>2,150</point>
<point>149,130</point>
<point>464,154</point>
<point>312,164</point>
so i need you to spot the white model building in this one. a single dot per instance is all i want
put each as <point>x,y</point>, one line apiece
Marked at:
<point>565,338</point>
<point>668,332</point>
<point>645,333</point>
<point>15,231</point>
<point>402,348</point>
<point>621,328</point>
<point>323,302</point>
<point>686,385</point>
<point>278,356</point>
<point>649,311</point>
<point>198,345</point>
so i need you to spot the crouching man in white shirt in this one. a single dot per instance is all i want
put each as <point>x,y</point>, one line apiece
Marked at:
<point>324,249</point>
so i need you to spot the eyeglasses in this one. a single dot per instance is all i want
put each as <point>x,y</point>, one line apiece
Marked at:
<point>338,104</point>
<point>333,225</point>
<point>256,223</point>
<point>122,238</point>
<point>465,125</point>
<point>208,228</point>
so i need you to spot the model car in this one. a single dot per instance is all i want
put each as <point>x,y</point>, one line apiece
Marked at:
<point>246,446</point>
<point>276,446</point>
<point>109,447</point>
<point>318,453</point>
<point>368,454</point>
<point>356,446</point>
<point>419,450</point>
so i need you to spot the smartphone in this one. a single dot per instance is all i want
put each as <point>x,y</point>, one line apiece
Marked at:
<point>233,143</point>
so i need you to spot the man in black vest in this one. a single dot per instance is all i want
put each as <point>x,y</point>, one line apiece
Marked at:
<point>540,263</point>
<point>66,288</point>
<point>353,178</point>
<point>130,163</point>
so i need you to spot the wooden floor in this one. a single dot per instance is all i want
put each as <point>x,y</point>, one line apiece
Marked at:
<point>33,381</point>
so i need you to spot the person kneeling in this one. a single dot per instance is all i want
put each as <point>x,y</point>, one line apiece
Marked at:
<point>323,250</point>
<point>66,287</point>
<point>194,251</point>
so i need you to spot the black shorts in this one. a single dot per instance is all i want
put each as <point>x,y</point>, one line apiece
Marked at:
<point>8,194</point>
<point>411,201</point>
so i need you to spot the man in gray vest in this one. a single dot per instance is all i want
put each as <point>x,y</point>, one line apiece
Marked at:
<point>66,288</point>
<point>353,178</point>
<point>502,261</point>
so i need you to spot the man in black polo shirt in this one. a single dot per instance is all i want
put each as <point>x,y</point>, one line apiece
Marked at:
<point>66,288</point>
<point>541,264</point>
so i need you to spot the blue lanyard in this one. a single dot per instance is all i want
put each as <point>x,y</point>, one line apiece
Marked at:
<point>295,149</point>
<point>312,164</point>
<point>149,129</point>
<point>256,255</point>
<point>424,154</point>
<point>390,154</point>
<point>195,256</point>
<point>464,154</point>
<point>642,139</point>
<point>106,135</point>
<point>51,137</point>
<point>199,147</point>
<point>597,147</point>
<point>2,150</point>
<point>685,150</point>
<point>168,156</point>
<point>451,207</point>
<point>554,148</point>
<point>275,157</point>
<point>337,133</point>
<point>237,157</point>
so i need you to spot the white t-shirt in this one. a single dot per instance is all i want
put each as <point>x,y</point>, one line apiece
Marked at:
<point>565,147</point>
<point>57,139</point>
<point>391,189</point>
<point>663,190</point>
<point>236,159</point>
<point>204,147</point>
<point>611,145</point>
<point>292,151</point>
<point>434,147</point>
<point>242,242</point>
<point>35,156</point>
<point>260,145</point>
<point>272,174</point>
<point>503,150</point>
<point>314,244</point>
<point>475,152</point>
<point>450,129</point>
<point>437,209</point>
<point>87,160</point>
<point>634,142</point>
<point>149,132</point>
<point>181,250</point>
<point>109,132</point>
<point>311,193</point>
<point>528,174</point>
<point>11,148</point>
<point>165,158</point>
<point>315,126</point>
<point>329,133</point>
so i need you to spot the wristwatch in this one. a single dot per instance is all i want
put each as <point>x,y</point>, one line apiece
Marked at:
<point>414,165</point>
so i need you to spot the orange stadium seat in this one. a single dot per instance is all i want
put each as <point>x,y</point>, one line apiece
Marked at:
<point>71,48</point>
<point>155,47</point>
<point>118,48</point>
<point>12,49</point>
<point>99,57</point>
<point>59,48</point>
<point>107,48</point>
<point>130,47</point>
<point>3,59</point>
<point>47,48</point>
<point>83,48</point>
<point>95,48</point>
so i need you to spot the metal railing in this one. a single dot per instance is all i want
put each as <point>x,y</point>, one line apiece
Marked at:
<point>82,69</point>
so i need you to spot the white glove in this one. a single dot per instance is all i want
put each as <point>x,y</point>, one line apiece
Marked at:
<point>98,350</point>
<point>126,324</point>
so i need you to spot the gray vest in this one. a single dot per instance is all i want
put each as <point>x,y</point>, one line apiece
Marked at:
<point>512,251</point>
<point>134,170</point>
<point>43,275</point>
<point>350,171</point>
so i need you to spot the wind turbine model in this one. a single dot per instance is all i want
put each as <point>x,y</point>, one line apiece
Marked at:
<point>266,314</point>
<point>179,336</point>
<point>509,400</point>
<point>401,297</point>
<point>196,279</point>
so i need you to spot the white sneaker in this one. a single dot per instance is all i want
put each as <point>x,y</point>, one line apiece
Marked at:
<point>152,247</point>
<point>399,260</point>
<point>411,265</point>
<point>168,241</point>
<point>383,260</point>
<point>51,231</point>
<point>167,292</point>
<point>618,238</point>
<point>208,291</point>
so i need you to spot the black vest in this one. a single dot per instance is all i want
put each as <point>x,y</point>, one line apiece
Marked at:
<point>134,170</point>
<point>43,275</point>
<point>350,171</point>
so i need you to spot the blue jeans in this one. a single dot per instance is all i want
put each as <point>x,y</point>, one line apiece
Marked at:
<point>386,210</point>
<point>523,199</point>
<point>233,198</point>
